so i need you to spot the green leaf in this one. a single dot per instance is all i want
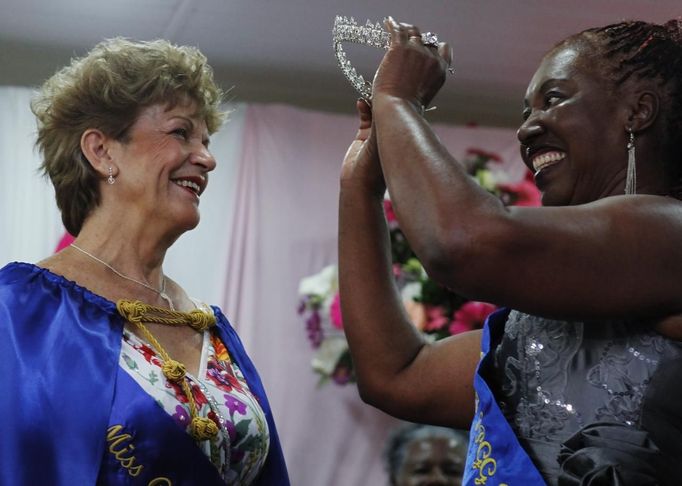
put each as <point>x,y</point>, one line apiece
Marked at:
<point>130,363</point>
<point>242,427</point>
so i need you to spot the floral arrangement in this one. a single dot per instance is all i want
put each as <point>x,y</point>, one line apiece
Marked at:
<point>434,310</point>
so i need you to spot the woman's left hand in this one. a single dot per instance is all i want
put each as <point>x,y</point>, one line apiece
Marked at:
<point>361,162</point>
<point>410,69</point>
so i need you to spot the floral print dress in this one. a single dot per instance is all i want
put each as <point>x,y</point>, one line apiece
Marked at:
<point>222,395</point>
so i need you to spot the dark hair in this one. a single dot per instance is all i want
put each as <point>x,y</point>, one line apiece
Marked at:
<point>644,51</point>
<point>402,436</point>
<point>106,89</point>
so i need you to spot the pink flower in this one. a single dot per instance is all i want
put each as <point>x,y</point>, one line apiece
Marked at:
<point>456,327</point>
<point>388,210</point>
<point>397,270</point>
<point>435,318</point>
<point>335,312</point>
<point>470,316</point>
<point>522,193</point>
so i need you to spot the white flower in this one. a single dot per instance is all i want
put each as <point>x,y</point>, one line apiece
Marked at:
<point>499,176</point>
<point>410,291</point>
<point>328,354</point>
<point>324,284</point>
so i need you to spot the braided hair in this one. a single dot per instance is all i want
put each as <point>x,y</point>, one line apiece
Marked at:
<point>644,51</point>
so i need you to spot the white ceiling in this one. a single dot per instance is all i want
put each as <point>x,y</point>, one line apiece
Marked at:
<point>280,50</point>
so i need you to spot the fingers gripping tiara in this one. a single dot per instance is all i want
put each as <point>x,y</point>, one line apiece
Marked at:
<point>371,34</point>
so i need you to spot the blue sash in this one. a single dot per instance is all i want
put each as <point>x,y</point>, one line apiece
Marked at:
<point>495,456</point>
<point>135,454</point>
<point>59,351</point>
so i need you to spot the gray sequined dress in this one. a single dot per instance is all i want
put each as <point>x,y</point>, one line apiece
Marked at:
<point>553,378</point>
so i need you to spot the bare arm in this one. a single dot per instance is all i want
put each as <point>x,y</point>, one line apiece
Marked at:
<point>617,256</point>
<point>397,371</point>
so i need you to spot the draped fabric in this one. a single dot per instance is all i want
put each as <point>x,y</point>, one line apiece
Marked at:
<point>54,429</point>
<point>495,456</point>
<point>269,218</point>
<point>30,225</point>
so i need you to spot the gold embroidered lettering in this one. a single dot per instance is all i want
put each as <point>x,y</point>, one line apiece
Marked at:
<point>119,454</point>
<point>116,439</point>
<point>127,463</point>
<point>160,482</point>
<point>484,463</point>
<point>113,431</point>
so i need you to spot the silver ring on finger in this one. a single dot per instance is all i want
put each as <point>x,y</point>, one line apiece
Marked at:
<point>429,39</point>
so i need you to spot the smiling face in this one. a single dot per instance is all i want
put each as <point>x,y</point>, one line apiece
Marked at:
<point>432,461</point>
<point>573,137</point>
<point>163,166</point>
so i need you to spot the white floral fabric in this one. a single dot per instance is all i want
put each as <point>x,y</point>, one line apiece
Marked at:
<point>222,395</point>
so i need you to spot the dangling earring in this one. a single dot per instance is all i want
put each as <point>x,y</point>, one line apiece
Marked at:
<point>111,179</point>
<point>631,178</point>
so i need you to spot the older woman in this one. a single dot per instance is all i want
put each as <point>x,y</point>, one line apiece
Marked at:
<point>419,455</point>
<point>112,374</point>
<point>580,381</point>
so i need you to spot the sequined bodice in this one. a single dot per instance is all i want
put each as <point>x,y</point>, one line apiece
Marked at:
<point>554,377</point>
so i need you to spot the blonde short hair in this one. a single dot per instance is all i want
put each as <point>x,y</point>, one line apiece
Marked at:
<point>106,89</point>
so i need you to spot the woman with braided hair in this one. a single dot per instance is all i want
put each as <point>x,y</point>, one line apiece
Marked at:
<point>576,380</point>
<point>111,373</point>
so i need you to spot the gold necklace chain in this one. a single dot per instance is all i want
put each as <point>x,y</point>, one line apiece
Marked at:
<point>162,293</point>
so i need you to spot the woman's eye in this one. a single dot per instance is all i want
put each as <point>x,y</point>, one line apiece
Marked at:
<point>553,98</point>
<point>181,132</point>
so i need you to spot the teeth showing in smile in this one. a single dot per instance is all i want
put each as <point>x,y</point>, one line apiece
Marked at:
<point>546,159</point>
<point>185,183</point>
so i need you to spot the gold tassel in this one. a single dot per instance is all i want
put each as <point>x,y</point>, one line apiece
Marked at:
<point>203,428</point>
<point>136,312</point>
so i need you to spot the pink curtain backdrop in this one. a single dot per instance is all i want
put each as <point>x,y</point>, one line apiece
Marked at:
<point>284,228</point>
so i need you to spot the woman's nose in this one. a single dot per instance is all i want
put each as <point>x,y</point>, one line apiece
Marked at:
<point>202,156</point>
<point>529,129</point>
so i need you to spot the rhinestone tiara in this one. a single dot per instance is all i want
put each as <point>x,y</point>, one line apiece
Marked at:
<point>371,34</point>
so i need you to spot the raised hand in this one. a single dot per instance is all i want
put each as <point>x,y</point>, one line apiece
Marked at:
<point>361,162</point>
<point>410,69</point>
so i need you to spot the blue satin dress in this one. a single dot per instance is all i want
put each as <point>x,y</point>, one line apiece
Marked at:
<point>70,416</point>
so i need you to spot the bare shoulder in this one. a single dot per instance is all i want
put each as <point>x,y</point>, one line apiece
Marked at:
<point>58,264</point>
<point>642,204</point>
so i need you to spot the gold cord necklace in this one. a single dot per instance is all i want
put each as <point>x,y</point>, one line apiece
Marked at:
<point>162,293</point>
<point>136,312</point>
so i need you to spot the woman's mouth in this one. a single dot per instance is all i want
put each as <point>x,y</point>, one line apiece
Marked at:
<point>546,159</point>
<point>188,185</point>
